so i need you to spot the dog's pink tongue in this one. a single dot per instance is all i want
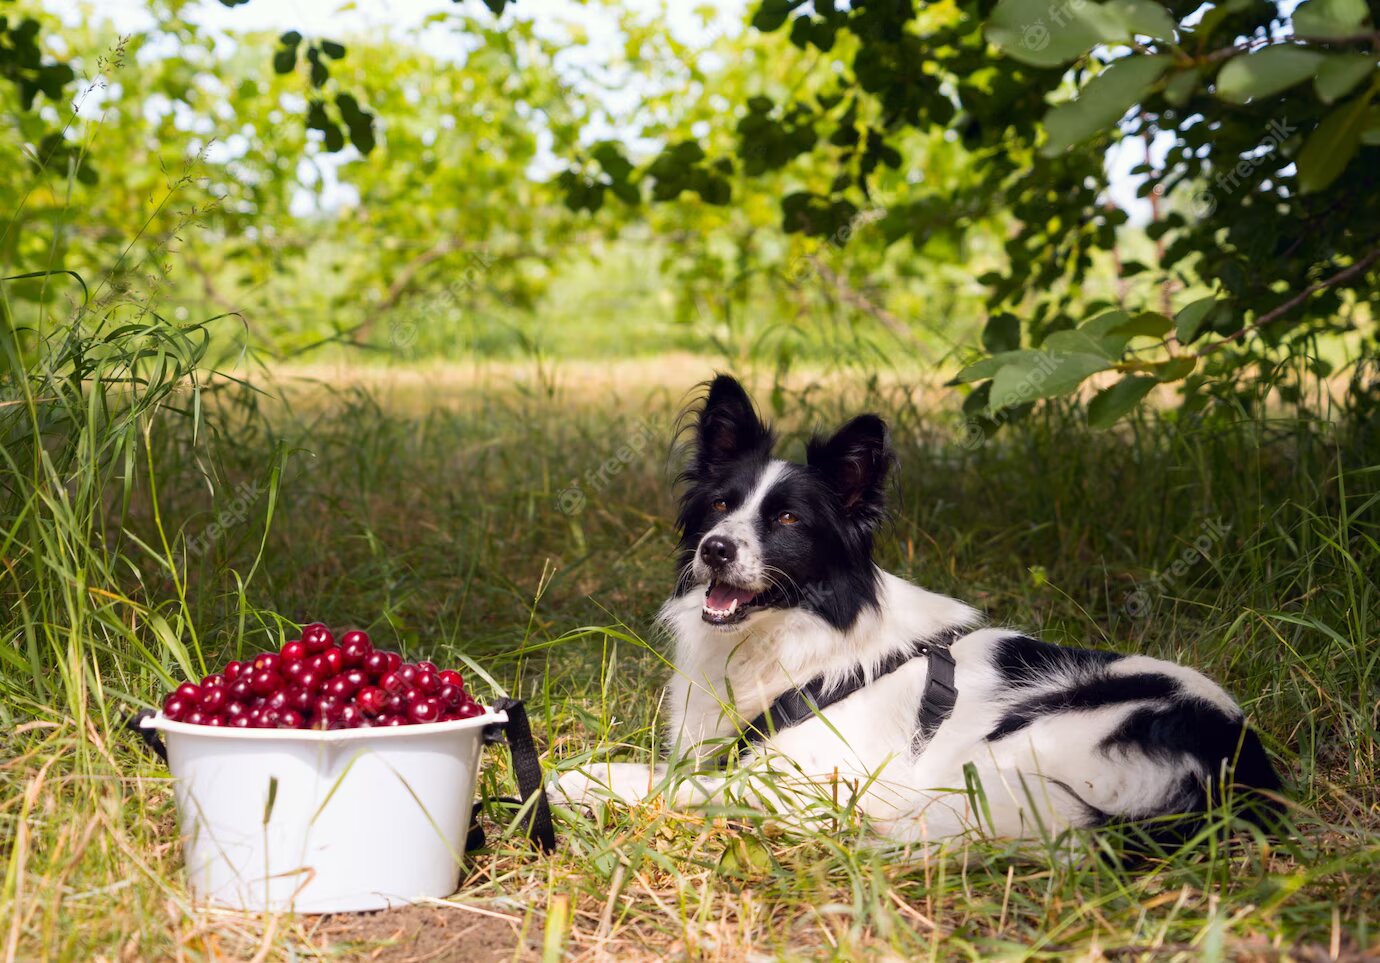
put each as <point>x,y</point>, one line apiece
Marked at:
<point>721,594</point>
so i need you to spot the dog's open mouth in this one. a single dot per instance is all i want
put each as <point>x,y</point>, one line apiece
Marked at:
<point>725,604</point>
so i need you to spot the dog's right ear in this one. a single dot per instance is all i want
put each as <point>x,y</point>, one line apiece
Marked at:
<point>727,425</point>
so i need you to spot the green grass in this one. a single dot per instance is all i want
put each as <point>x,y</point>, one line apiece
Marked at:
<point>433,519</point>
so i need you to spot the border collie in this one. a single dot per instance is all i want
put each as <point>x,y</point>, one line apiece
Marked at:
<point>825,671</point>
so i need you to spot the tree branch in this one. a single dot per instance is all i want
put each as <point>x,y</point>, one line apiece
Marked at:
<point>860,301</point>
<point>1273,315</point>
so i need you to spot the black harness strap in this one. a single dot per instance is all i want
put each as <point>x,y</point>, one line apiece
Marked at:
<point>936,704</point>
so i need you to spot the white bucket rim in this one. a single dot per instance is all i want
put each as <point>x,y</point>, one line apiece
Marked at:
<point>159,721</point>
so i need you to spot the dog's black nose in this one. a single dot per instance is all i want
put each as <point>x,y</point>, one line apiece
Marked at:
<point>718,551</point>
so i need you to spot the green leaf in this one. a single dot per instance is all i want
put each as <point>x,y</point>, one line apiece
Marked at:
<point>1329,19</point>
<point>1043,34</point>
<point>290,39</point>
<point>1111,404</point>
<point>1078,341</point>
<point>611,159</point>
<point>1021,29</point>
<point>1047,375</point>
<point>1181,87</point>
<point>333,49</point>
<point>1002,333</point>
<point>335,140</point>
<point>1102,102</point>
<point>1340,73</point>
<point>987,367</point>
<point>1104,324</point>
<point>1332,145</point>
<point>285,60</point>
<point>1176,369</point>
<point>1370,133</point>
<point>1188,321</point>
<point>1123,19</point>
<point>1150,324</point>
<point>1215,16</point>
<point>1266,72</point>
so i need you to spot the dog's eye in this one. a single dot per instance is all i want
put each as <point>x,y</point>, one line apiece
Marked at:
<point>787,518</point>
<point>720,505</point>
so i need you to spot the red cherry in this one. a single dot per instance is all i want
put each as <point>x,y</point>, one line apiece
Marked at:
<point>277,699</point>
<point>215,700</point>
<point>372,700</point>
<point>215,721</point>
<point>451,677</point>
<point>267,662</point>
<point>235,710</point>
<point>393,683</point>
<point>270,718</point>
<point>451,696</point>
<point>469,710</point>
<point>352,717</point>
<point>291,719</point>
<point>425,666</point>
<point>264,682</point>
<point>339,687</point>
<point>191,692</point>
<point>292,671</point>
<point>317,638</point>
<point>356,647</point>
<point>294,651</point>
<point>240,722</point>
<point>394,661</point>
<point>310,679</point>
<point>175,707</point>
<point>391,720</point>
<point>424,710</point>
<point>428,681</point>
<point>326,712</point>
<point>233,670</point>
<point>408,673</point>
<point>213,681</point>
<point>240,690</point>
<point>397,704</point>
<point>301,699</point>
<point>333,660</point>
<point>195,718</point>
<point>356,635</point>
<point>358,678</point>
<point>376,663</point>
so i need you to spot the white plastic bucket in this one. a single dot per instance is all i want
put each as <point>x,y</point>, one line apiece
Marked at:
<point>324,822</point>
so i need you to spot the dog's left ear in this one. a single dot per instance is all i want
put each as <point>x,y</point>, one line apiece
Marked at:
<point>855,461</point>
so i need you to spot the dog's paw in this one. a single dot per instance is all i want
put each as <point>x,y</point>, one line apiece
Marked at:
<point>625,783</point>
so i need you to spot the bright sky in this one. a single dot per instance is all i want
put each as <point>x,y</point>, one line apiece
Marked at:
<point>340,19</point>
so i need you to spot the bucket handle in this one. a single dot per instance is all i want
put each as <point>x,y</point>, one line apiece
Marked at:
<point>516,733</point>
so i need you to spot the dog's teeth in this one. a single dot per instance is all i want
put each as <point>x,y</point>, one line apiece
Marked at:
<point>732,606</point>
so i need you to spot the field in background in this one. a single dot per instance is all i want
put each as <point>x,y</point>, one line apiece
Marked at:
<point>489,516</point>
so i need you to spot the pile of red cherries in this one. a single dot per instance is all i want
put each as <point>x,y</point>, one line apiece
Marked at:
<point>313,683</point>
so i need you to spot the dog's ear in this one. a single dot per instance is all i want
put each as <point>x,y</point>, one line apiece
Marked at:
<point>728,425</point>
<point>855,462</point>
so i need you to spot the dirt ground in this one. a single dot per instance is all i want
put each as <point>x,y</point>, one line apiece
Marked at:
<point>417,934</point>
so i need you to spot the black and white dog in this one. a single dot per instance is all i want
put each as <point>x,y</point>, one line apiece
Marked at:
<point>791,643</point>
